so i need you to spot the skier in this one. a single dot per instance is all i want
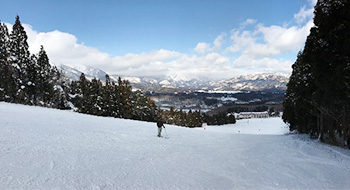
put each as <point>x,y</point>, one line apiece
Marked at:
<point>160,124</point>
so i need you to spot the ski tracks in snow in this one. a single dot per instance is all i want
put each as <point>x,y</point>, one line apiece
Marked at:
<point>314,151</point>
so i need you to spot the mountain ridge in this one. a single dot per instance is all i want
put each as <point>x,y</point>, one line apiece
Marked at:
<point>256,82</point>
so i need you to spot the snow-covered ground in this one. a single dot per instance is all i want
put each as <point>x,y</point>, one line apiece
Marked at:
<point>44,148</point>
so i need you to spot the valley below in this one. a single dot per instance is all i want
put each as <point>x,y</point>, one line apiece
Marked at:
<point>215,102</point>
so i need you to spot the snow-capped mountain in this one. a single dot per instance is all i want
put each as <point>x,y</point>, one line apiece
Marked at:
<point>165,84</point>
<point>74,73</point>
<point>256,82</point>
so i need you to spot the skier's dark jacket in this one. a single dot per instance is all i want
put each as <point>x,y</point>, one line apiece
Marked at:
<point>160,124</point>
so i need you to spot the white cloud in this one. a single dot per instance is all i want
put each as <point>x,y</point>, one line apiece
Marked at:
<point>240,40</point>
<point>248,22</point>
<point>144,64</point>
<point>219,41</point>
<point>265,64</point>
<point>285,39</point>
<point>269,41</point>
<point>63,48</point>
<point>304,15</point>
<point>256,48</point>
<point>211,66</point>
<point>312,2</point>
<point>202,48</point>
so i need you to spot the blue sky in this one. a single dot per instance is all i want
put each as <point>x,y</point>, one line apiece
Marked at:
<point>198,38</point>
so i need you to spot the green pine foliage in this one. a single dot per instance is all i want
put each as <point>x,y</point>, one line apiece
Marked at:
<point>6,70</point>
<point>20,61</point>
<point>317,100</point>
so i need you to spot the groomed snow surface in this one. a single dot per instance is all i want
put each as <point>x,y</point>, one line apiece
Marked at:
<point>43,148</point>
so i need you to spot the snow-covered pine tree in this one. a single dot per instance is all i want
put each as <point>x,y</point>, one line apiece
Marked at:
<point>32,78</point>
<point>95,99</point>
<point>59,99</point>
<point>124,98</point>
<point>115,100</point>
<point>7,83</point>
<point>298,108</point>
<point>75,95</point>
<point>107,97</point>
<point>44,83</point>
<point>142,108</point>
<point>83,91</point>
<point>20,59</point>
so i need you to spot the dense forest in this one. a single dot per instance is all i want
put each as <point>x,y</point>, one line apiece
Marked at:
<point>317,100</point>
<point>32,80</point>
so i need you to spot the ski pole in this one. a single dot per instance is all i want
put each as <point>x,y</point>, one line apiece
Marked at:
<point>166,132</point>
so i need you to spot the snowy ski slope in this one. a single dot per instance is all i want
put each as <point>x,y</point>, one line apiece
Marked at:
<point>43,148</point>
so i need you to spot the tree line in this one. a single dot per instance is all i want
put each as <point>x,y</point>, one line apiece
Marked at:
<point>31,80</point>
<point>111,99</point>
<point>317,99</point>
<point>194,118</point>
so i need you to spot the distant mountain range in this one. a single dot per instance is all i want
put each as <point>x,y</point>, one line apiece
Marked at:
<point>257,82</point>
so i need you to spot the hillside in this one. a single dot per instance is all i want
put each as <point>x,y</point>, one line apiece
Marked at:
<point>43,148</point>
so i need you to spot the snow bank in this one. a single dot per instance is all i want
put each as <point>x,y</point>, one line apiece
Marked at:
<point>44,148</point>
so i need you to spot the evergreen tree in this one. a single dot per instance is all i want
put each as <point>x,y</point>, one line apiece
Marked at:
<point>116,99</point>
<point>197,119</point>
<point>189,118</point>
<point>31,85</point>
<point>298,108</point>
<point>7,83</point>
<point>97,94</point>
<point>82,94</point>
<point>60,98</point>
<point>124,98</point>
<point>44,80</point>
<point>142,107</point>
<point>20,60</point>
<point>107,98</point>
<point>75,95</point>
